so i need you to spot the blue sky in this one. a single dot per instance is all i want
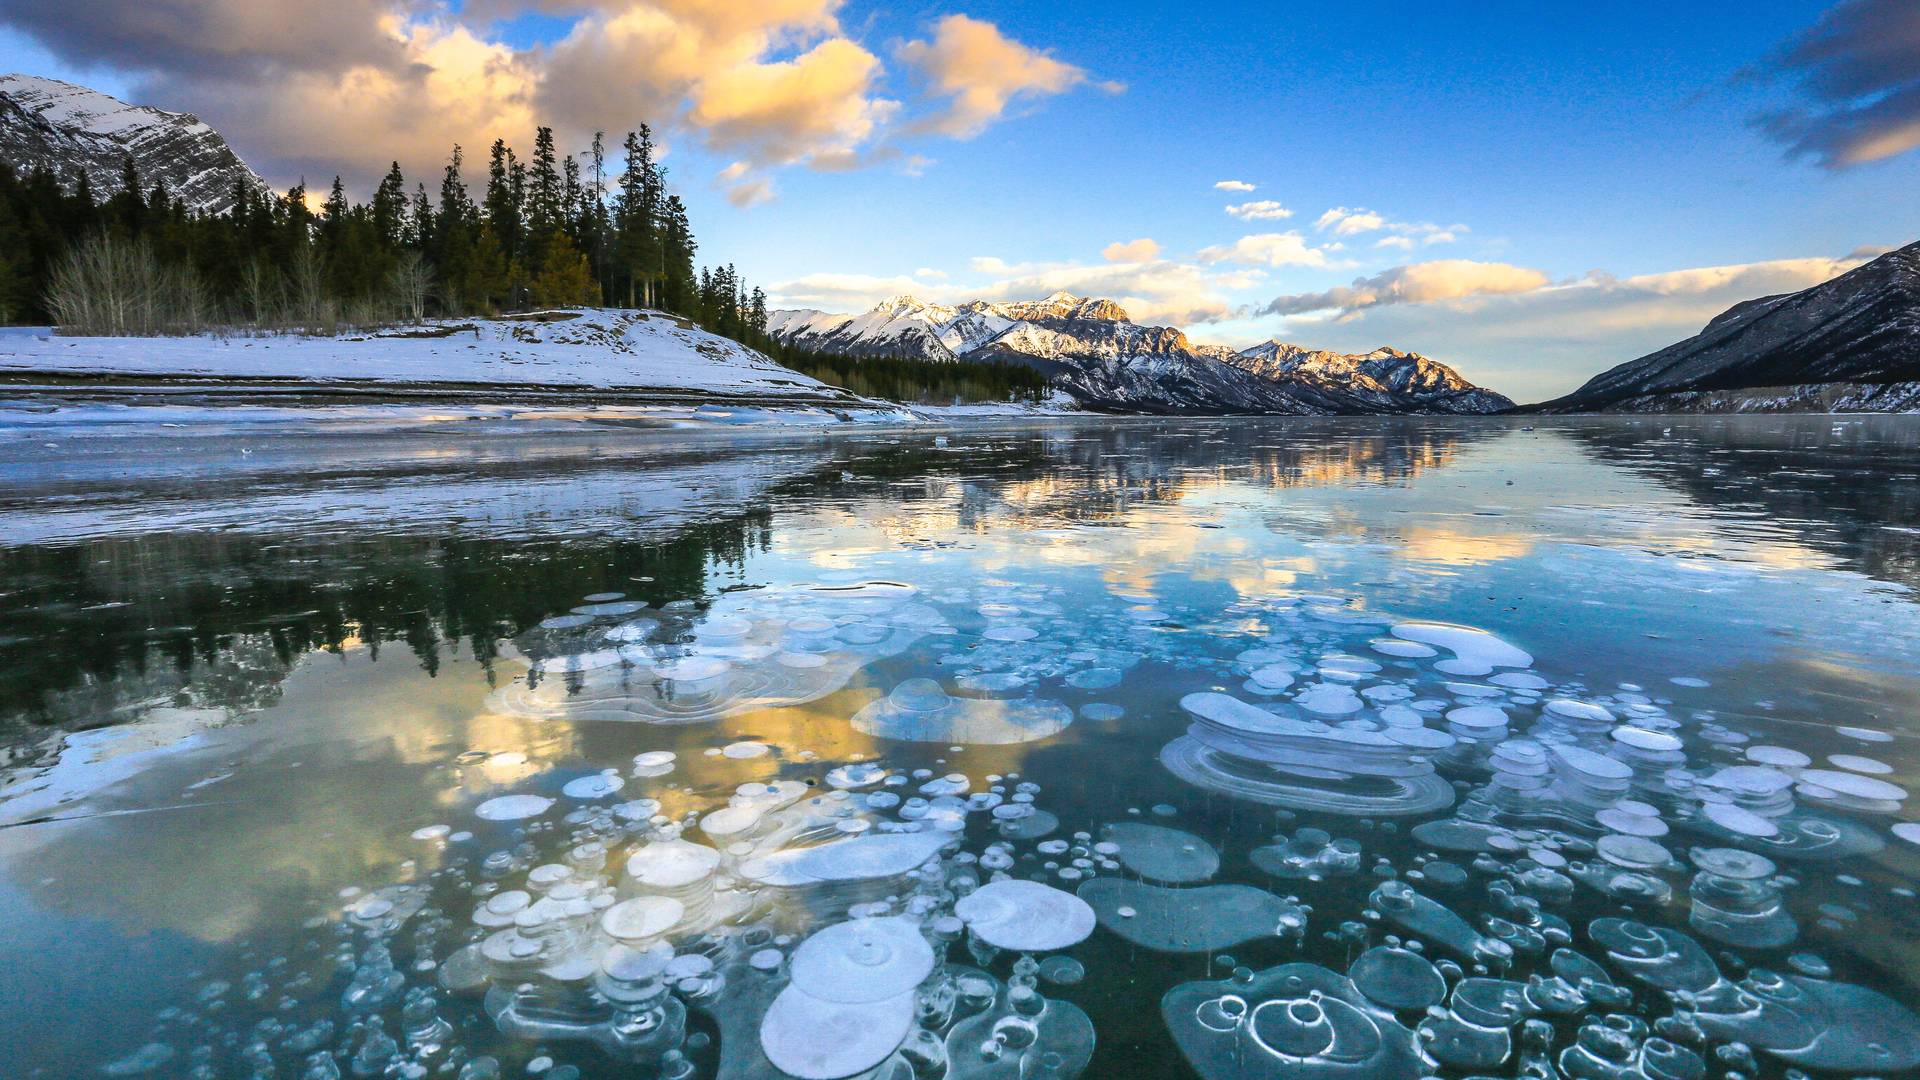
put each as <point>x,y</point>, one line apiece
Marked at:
<point>1555,190</point>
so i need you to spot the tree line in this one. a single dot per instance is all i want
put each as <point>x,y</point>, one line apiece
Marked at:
<point>545,231</point>
<point>551,231</point>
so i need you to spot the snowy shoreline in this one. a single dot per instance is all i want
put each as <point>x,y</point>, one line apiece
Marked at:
<point>634,368</point>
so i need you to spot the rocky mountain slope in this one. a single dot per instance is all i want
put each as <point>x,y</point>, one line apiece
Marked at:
<point>71,129</point>
<point>1820,349</point>
<point>1092,350</point>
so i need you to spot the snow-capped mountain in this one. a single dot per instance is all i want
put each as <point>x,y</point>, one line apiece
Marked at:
<point>71,129</point>
<point>1819,349</point>
<point>1091,349</point>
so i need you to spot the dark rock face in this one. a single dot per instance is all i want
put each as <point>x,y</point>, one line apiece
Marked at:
<point>1091,349</point>
<point>1862,327</point>
<point>73,130</point>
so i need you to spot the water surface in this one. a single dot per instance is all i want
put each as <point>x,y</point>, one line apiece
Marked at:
<point>259,684</point>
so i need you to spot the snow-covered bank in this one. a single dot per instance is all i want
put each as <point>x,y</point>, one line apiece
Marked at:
<point>588,353</point>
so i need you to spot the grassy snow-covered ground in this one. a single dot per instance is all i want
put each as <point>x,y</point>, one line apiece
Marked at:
<point>587,349</point>
<point>608,365</point>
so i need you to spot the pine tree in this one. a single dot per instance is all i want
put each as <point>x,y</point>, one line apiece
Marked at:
<point>390,208</point>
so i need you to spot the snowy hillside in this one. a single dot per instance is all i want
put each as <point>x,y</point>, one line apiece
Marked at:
<point>1092,350</point>
<point>1860,329</point>
<point>638,354</point>
<point>71,129</point>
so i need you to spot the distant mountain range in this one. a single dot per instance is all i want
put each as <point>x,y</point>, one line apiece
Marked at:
<point>1849,345</point>
<point>71,129</point>
<point>1091,349</point>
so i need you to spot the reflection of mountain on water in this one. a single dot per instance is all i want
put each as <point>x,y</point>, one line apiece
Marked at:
<point>1846,487</point>
<point>186,586</point>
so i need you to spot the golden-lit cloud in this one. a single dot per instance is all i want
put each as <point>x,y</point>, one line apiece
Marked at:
<point>981,72</point>
<point>1418,283</point>
<point>364,82</point>
<point>1131,251</point>
<point>1232,185</point>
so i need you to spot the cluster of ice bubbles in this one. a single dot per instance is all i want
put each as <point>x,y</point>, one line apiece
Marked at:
<point>617,659</point>
<point>834,929</point>
<point>850,926</point>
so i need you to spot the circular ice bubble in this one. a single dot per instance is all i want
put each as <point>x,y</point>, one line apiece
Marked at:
<point>1641,739</point>
<point>1632,852</point>
<point>1477,717</point>
<point>1739,820</point>
<point>512,807</point>
<point>671,864</point>
<point>1062,970</point>
<point>1329,699</point>
<point>1582,711</point>
<point>1778,756</point>
<point>565,622</point>
<point>1410,650</point>
<point>862,961</point>
<point>1621,820</point>
<point>856,775</point>
<point>641,917</point>
<point>1865,734</point>
<point>1163,854</point>
<point>1855,763</point>
<point>1908,831</point>
<point>1025,916</point>
<point>594,786</point>
<point>742,751</point>
<point>1476,652</point>
<point>1398,978</point>
<point>1202,919</point>
<point>1854,785</point>
<point>811,1039</point>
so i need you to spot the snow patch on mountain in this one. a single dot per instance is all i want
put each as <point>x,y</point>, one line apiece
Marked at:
<point>1090,348</point>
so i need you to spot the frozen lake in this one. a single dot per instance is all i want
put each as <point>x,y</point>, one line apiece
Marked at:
<point>1116,748</point>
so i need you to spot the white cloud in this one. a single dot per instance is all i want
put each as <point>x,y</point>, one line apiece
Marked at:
<point>1266,249</point>
<point>1259,210</point>
<point>1232,185</point>
<point>1356,221</point>
<point>1131,251</point>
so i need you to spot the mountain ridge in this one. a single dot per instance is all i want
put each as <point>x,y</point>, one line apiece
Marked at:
<point>1859,329</point>
<point>68,128</point>
<point>1091,348</point>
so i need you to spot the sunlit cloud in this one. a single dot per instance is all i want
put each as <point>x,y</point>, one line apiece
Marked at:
<point>1131,251</point>
<point>981,72</point>
<point>366,82</point>
<point>1418,283</point>
<point>1232,185</point>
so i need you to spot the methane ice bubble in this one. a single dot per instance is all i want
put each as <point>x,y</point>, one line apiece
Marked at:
<point>1734,900</point>
<point>1813,1023</point>
<point>1267,755</point>
<point>920,710</point>
<point>1201,919</point>
<point>593,786</point>
<point>1475,652</point>
<point>813,1039</point>
<point>1025,916</point>
<point>1398,978</point>
<point>1163,854</point>
<point>512,807</point>
<point>1309,853</point>
<point>1292,1022</point>
<point>862,961</point>
<point>1663,958</point>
